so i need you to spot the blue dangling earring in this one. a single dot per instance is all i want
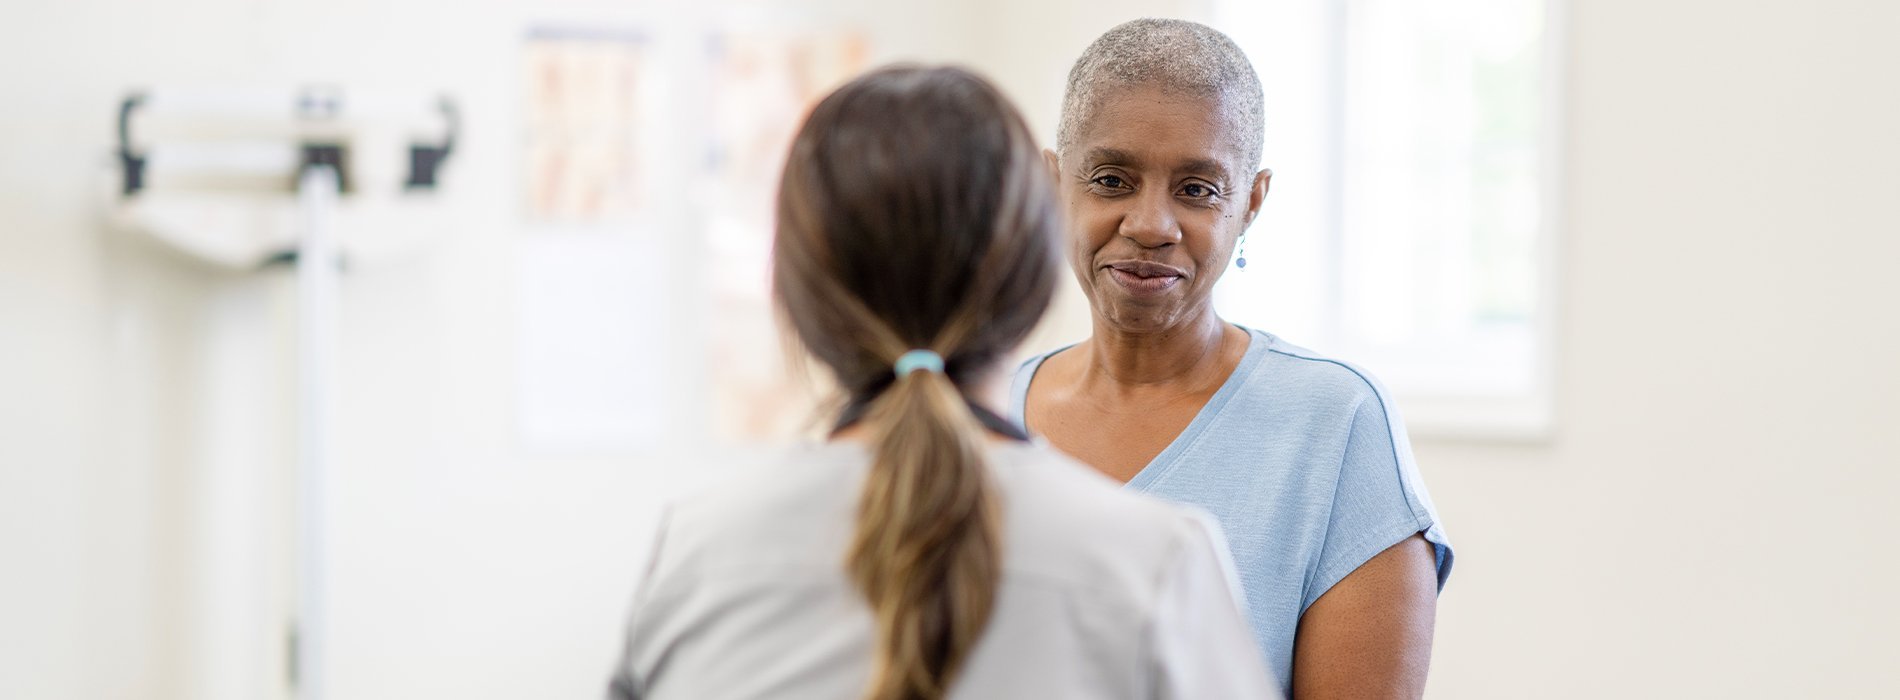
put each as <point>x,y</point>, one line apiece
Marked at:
<point>1240,260</point>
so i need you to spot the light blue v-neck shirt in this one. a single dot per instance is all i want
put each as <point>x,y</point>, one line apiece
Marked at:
<point>1305,463</point>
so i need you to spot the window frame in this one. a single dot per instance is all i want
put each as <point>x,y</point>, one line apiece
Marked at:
<point>1529,415</point>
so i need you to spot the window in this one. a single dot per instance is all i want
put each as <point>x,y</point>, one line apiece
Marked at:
<point>1410,226</point>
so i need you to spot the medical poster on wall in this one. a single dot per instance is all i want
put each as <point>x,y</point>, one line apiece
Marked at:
<point>587,93</point>
<point>590,377</point>
<point>763,84</point>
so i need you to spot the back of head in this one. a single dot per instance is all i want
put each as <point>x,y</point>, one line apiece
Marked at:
<point>1187,58</point>
<point>914,214</point>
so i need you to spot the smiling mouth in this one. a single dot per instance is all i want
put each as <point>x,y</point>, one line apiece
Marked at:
<point>1144,278</point>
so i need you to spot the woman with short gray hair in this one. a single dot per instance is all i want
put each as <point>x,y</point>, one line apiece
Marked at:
<point>1301,457</point>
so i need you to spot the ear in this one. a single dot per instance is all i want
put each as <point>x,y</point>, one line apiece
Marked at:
<point>1050,160</point>
<point>1259,194</point>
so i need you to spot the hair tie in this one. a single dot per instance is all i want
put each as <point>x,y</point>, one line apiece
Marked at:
<point>919,360</point>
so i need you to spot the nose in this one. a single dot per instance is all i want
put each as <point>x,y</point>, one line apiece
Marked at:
<point>1149,221</point>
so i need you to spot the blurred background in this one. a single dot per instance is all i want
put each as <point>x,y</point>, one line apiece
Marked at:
<point>1627,265</point>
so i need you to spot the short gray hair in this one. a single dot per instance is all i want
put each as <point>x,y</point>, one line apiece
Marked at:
<point>1173,55</point>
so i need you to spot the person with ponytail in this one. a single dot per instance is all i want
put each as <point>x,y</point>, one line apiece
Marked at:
<point>928,549</point>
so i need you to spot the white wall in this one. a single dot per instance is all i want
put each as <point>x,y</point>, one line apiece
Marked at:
<point>1715,517</point>
<point>1711,520</point>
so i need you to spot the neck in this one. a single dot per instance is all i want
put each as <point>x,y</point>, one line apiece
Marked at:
<point>1174,355</point>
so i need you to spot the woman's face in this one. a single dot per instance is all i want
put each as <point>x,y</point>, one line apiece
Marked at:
<point>1156,195</point>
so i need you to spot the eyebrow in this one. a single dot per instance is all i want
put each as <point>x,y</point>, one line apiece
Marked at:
<point>1206,167</point>
<point>1102,154</point>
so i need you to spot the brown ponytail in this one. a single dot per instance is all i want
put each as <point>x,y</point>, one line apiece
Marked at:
<point>914,214</point>
<point>928,553</point>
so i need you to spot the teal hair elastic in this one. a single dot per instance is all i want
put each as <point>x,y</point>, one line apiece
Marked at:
<point>919,360</point>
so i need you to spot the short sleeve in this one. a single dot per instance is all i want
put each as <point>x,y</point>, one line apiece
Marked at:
<point>628,680</point>
<point>1199,640</point>
<point>1379,499</point>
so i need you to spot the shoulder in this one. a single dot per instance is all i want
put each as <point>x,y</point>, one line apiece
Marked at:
<point>749,506</point>
<point>1305,375</point>
<point>1328,400</point>
<point>1311,394</point>
<point>1378,495</point>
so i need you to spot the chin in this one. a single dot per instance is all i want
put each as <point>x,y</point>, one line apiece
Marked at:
<point>1141,317</point>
